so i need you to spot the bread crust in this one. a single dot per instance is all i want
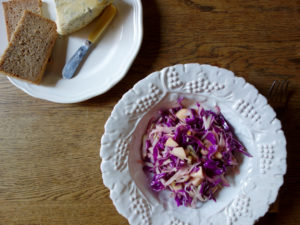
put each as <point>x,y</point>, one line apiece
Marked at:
<point>16,38</point>
<point>13,10</point>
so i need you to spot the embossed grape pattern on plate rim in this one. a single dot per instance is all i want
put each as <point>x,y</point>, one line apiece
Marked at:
<point>251,191</point>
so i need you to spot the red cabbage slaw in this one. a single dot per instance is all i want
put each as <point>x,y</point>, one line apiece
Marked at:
<point>188,151</point>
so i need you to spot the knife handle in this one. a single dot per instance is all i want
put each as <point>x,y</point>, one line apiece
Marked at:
<point>102,22</point>
<point>73,63</point>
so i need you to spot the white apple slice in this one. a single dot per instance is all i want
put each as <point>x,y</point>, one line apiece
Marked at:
<point>218,155</point>
<point>171,143</point>
<point>196,181</point>
<point>198,173</point>
<point>175,186</point>
<point>179,152</point>
<point>183,179</point>
<point>182,114</point>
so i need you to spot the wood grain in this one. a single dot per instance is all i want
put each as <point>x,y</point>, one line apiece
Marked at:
<point>49,153</point>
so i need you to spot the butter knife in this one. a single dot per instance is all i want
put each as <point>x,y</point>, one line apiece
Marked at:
<point>102,22</point>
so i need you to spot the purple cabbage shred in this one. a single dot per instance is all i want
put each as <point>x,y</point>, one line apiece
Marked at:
<point>188,151</point>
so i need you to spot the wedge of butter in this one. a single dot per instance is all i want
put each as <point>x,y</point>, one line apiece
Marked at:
<point>72,15</point>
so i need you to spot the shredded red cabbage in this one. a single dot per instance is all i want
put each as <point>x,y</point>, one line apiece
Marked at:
<point>188,151</point>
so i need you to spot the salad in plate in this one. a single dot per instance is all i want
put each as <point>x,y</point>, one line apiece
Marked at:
<point>189,151</point>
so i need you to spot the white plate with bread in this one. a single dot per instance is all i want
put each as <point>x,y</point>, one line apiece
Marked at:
<point>105,65</point>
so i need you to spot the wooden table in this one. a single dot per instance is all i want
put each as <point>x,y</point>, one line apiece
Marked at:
<point>49,153</point>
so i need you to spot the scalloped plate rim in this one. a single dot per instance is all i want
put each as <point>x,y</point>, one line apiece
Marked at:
<point>123,98</point>
<point>137,15</point>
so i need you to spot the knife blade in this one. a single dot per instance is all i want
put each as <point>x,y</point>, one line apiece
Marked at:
<point>101,24</point>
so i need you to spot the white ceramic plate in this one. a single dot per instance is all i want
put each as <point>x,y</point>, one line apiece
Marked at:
<point>255,124</point>
<point>106,64</point>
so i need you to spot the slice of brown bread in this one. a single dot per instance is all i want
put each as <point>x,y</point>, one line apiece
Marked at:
<point>13,10</point>
<point>30,48</point>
